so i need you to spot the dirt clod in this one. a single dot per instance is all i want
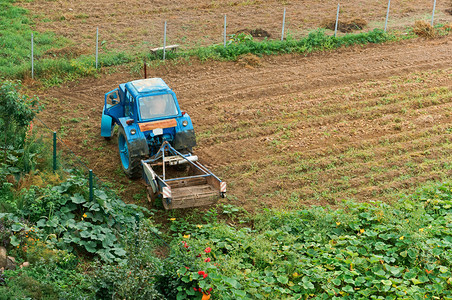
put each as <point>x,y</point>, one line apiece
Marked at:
<point>249,60</point>
<point>424,29</point>
<point>258,32</point>
<point>345,26</point>
<point>67,52</point>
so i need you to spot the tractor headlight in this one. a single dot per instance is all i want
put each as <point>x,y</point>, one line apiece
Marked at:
<point>133,131</point>
<point>184,123</point>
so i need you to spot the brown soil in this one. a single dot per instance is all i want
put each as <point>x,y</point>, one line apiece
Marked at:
<point>138,24</point>
<point>297,130</point>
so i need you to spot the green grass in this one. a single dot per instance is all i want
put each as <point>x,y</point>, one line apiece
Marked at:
<point>15,51</point>
<point>15,42</point>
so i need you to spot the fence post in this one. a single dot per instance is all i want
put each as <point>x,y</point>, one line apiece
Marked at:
<point>32,60</point>
<point>54,151</point>
<point>164,42</point>
<point>433,13</point>
<point>97,44</point>
<point>283,24</point>
<point>387,15</point>
<point>91,193</point>
<point>224,31</point>
<point>337,19</point>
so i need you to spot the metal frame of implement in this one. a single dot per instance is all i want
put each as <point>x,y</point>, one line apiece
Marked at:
<point>203,188</point>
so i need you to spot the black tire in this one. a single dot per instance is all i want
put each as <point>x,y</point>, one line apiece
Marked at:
<point>129,156</point>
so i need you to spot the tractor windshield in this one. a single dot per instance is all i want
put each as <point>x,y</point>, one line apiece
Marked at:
<point>157,106</point>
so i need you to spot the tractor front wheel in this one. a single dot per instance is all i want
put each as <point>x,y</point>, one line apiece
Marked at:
<point>130,158</point>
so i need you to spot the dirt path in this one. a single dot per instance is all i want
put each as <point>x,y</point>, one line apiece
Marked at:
<point>363,123</point>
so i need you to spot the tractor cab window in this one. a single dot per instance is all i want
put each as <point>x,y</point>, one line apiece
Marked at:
<point>128,104</point>
<point>157,106</point>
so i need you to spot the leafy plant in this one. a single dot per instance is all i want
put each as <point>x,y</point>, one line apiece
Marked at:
<point>68,219</point>
<point>362,250</point>
<point>16,113</point>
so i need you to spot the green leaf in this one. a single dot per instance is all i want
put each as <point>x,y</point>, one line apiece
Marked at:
<point>41,223</point>
<point>348,289</point>
<point>269,279</point>
<point>232,282</point>
<point>412,253</point>
<point>119,251</point>
<point>239,293</point>
<point>386,282</point>
<point>90,246</point>
<point>14,241</point>
<point>78,199</point>
<point>308,285</point>
<point>85,234</point>
<point>17,227</point>
<point>336,282</point>
<point>283,279</point>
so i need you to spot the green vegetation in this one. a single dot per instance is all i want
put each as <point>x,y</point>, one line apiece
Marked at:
<point>315,41</point>
<point>359,251</point>
<point>52,65</point>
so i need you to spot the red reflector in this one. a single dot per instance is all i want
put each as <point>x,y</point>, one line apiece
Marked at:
<point>129,121</point>
<point>183,113</point>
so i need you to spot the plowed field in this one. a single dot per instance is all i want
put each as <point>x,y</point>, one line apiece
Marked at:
<point>365,123</point>
<point>134,24</point>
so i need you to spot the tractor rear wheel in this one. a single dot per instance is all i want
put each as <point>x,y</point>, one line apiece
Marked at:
<point>129,155</point>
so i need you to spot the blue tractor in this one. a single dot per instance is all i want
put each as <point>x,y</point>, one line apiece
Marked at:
<point>153,131</point>
<point>147,114</point>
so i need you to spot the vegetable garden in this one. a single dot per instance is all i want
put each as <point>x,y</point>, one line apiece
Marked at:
<point>336,152</point>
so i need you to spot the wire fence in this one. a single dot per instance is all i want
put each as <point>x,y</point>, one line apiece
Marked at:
<point>161,39</point>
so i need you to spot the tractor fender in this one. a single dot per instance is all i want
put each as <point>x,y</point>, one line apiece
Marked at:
<point>137,141</point>
<point>106,125</point>
<point>185,137</point>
